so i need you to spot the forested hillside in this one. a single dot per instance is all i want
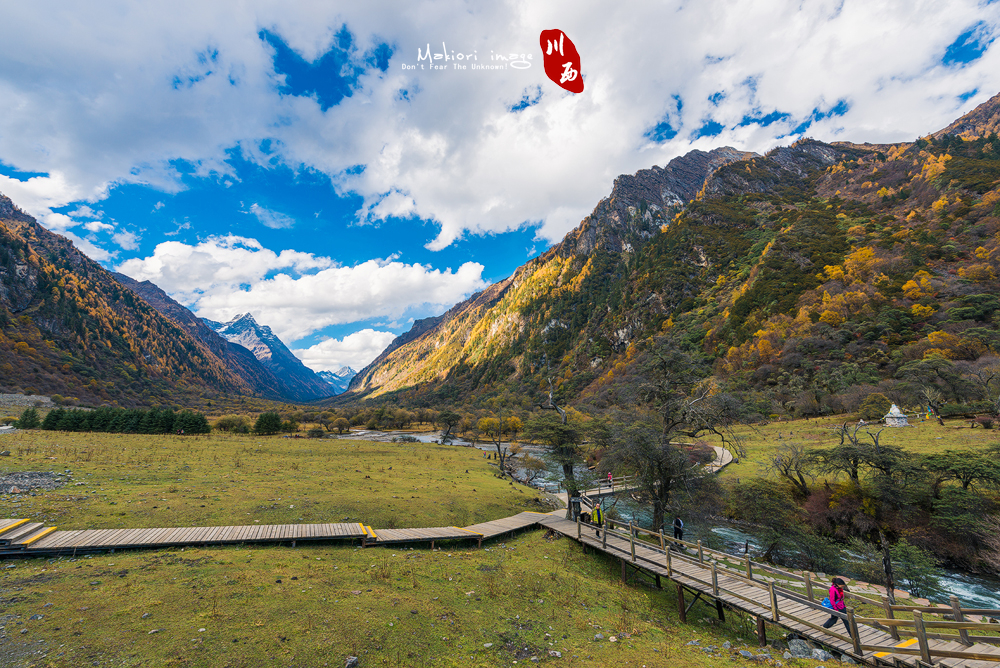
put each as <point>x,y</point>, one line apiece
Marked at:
<point>807,277</point>
<point>68,328</point>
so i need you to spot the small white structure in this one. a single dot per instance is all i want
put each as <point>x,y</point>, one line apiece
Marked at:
<point>895,418</point>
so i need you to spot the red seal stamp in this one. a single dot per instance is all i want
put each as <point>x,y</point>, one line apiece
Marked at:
<point>562,60</point>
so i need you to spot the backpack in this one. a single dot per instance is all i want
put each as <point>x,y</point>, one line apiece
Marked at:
<point>826,603</point>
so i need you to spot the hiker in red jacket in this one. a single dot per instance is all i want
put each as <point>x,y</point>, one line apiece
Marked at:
<point>836,599</point>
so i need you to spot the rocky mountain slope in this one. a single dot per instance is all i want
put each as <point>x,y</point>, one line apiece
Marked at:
<point>297,380</point>
<point>803,275</point>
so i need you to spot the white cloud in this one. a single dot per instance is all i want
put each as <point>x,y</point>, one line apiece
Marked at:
<point>296,293</point>
<point>269,218</point>
<point>84,211</point>
<point>107,95</point>
<point>354,350</point>
<point>127,240</point>
<point>180,226</point>
<point>96,226</point>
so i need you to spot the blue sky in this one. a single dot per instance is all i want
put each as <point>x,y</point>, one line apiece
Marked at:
<point>304,164</point>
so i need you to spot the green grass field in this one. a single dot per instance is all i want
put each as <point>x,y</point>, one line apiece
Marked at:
<point>314,605</point>
<point>151,481</point>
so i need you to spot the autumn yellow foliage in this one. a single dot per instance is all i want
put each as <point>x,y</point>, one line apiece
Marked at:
<point>977,272</point>
<point>832,318</point>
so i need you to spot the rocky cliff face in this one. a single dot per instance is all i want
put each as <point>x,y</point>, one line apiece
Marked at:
<point>639,203</point>
<point>297,380</point>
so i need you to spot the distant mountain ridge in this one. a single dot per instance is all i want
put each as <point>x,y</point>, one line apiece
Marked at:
<point>340,379</point>
<point>297,379</point>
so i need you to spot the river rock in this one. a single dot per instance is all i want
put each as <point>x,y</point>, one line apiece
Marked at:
<point>352,662</point>
<point>821,655</point>
<point>800,649</point>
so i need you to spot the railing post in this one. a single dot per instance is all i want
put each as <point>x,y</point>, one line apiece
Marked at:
<point>681,610</point>
<point>670,568</point>
<point>855,636</point>
<point>701,554</point>
<point>604,535</point>
<point>761,632</point>
<point>662,546</point>
<point>749,569</point>
<point>809,586</point>
<point>715,581</point>
<point>957,609</point>
<point>631,541</point>
<point>774,602</point>
<point>893,631</point>
<point>918,623</point>
<point>578,528</point>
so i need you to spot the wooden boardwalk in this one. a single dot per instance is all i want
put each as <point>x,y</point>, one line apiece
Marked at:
<point>24,538</point>
<point>30,539</point>
<point>876,641</point>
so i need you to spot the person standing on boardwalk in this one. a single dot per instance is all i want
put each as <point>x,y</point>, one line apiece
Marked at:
<point>678,529</point>
<point>836,599</point>
<point>597,517</point>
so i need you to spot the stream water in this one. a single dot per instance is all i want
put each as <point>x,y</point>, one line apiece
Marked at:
<point>973,590</point>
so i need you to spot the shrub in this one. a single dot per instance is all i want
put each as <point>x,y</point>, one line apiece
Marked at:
<point>237,424</point>
<point>315,432</point>
<point>267,423</point>
<point>29,419</point>
<point>874,407</point>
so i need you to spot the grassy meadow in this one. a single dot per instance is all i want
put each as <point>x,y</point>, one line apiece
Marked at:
<point>922,437</point>
<point>316,604</point>
<point>127,480</point>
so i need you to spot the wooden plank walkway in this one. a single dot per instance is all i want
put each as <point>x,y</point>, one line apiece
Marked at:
<point>15,535</point>
<point>23,538</point>
<point>762,598</point>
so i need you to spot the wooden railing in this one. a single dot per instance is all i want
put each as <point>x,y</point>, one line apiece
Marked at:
<point>721,563</point>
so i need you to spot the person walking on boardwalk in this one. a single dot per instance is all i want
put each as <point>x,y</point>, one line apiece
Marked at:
<point>836,600</point>
<point>678,529</point>
<point>597,517</point>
